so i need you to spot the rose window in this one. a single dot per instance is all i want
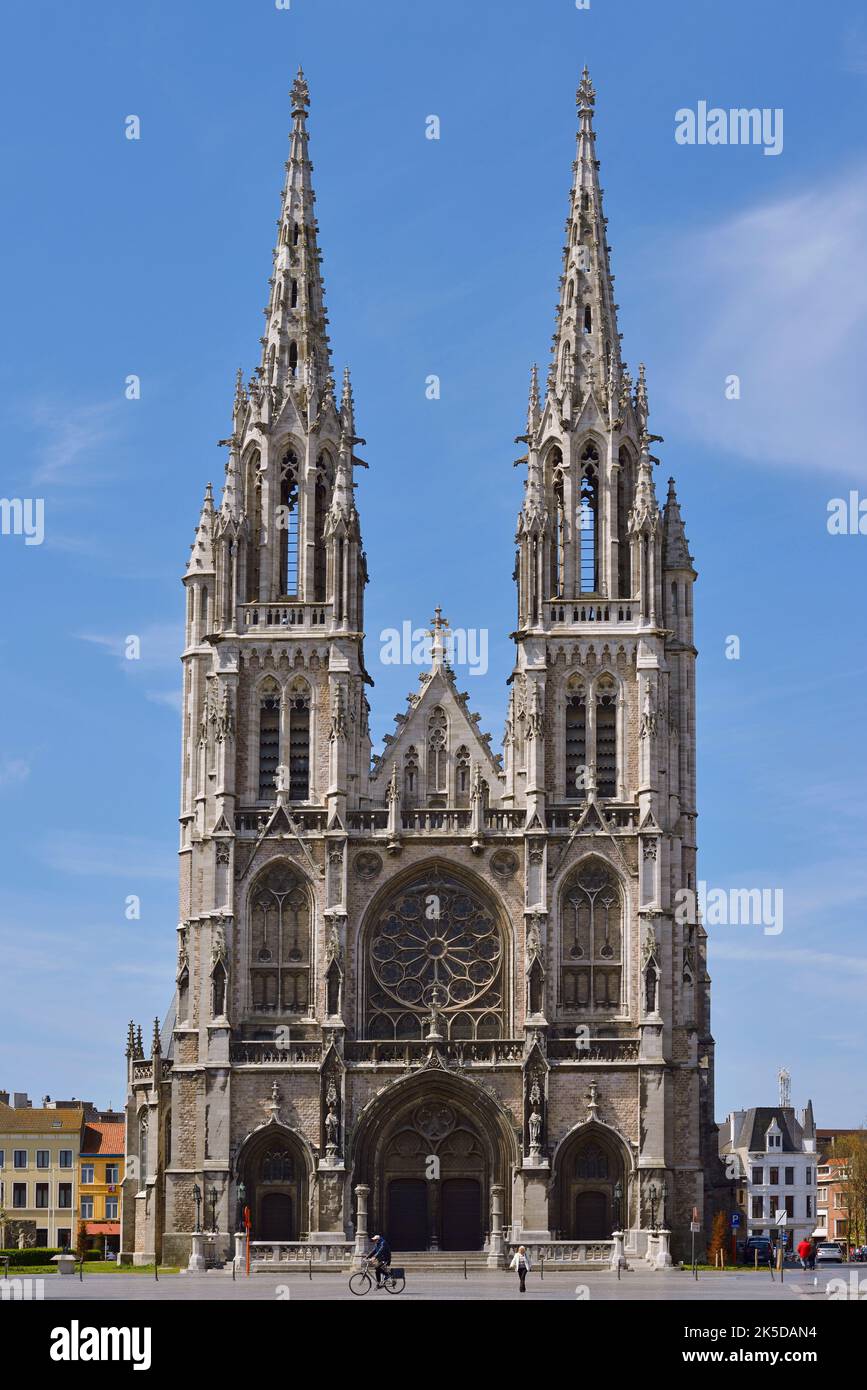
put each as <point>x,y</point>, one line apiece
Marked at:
<point>436,952</point>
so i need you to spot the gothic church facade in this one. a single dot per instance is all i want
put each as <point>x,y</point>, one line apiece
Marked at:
<point>441,993</point>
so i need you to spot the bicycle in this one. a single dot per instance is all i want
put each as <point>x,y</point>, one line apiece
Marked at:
<point>362,1281</point>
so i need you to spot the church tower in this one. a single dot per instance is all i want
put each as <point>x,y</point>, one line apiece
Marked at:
<point>442,952</point>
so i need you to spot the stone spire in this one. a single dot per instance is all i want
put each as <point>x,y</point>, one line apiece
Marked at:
<point>295,342</point>
<point>586,321</point>
<point>675,547</point>
<point>201,559</point>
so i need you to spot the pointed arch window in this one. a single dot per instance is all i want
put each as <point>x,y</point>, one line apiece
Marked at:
<point>293,359</point>
<point>588,319</point>
<point>606,736</point>
<point>437,751</point>
<point>143,1150</point>
<point>280,945</point>
<point>294,295</point>
<point>576,740</point>
<point>591,940</point>
<point>462,777</point>
<point>625,493</point>
<point>269,738</point>
<point>570,294</point>
<point>298,708</point>
<point>289,526</point>
<point>588,519</point>
<point>410,778</point>
<point>558,555</point>
<point>323,487</point>
<point>296,233</point>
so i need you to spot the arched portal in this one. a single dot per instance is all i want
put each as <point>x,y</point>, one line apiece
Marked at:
<point>273,1167</point>
<point>592,1174</point>
<point>431,1149</point>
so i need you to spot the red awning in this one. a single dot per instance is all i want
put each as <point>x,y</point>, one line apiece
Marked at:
<point>102,1228</point>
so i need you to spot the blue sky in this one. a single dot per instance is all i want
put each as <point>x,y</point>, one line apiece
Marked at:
<point>152,258</point>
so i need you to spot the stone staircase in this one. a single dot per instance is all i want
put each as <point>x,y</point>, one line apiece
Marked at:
<point>441,1261</point>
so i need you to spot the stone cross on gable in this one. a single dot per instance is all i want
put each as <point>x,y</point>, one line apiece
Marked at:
<point>439,626</point>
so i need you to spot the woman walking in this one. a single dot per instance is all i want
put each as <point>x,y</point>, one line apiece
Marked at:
<point>521,1262</point>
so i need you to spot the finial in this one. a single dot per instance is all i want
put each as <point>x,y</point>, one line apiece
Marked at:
<point>347,401</point>
<point>439,625</point>
<point>585,97</point>
<point>300,94</point>
<point>156,1046</point>
<point>139,1042</point>
<point>534,391</point>
<point>130,1040</point>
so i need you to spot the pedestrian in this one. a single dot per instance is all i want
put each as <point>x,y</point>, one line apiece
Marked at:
<point>811,1258</point>
<point>804,1248</point>
<point>521,1262</point>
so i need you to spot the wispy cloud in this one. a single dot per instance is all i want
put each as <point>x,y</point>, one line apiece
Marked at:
<point>804,957</point>
<point>73,440</point>
<point>784,307</point>
<point>108,856</point>
<point>151,652</point>
<point>13,771</point>
<point>855,49</point>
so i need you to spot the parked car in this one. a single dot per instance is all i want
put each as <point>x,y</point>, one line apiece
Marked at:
<point>829,1253</point>
<point>758,1245</point>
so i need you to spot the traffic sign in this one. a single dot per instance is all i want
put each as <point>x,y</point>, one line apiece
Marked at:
<point>736,1218</point>
<point>781,1216</point>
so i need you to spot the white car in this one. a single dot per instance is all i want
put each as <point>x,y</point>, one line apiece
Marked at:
<point>830,1253</point>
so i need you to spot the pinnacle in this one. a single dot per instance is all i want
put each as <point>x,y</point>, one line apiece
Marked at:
<point>585,97</point>
<point>300,94</point>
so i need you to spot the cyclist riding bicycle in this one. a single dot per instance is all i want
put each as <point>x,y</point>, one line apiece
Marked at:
<point>381,1257</point>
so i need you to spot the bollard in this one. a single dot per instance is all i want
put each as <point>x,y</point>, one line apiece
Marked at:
<point>310,1270</point>
<point>465,1269</point>
<point>542,1267</point>
<point>156,1269</point>
<point>233,1271</point>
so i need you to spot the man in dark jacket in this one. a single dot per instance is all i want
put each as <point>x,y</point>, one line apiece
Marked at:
<point>381,1256</point>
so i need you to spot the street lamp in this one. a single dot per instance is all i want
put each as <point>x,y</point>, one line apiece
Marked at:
<point>212,1197</point>
<point>663,1197</point>
<point>652,1197</point>
<point>618,1198</point>
<point>242,1203</point>
<point>197,1198</point>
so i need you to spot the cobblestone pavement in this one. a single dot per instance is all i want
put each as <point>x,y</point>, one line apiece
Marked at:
<point>484,1287</point>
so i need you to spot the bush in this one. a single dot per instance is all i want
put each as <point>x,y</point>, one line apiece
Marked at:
<point>719,1238</point>
<point>30,1256</point>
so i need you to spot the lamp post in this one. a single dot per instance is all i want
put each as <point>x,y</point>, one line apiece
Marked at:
<point>239,1207</point>
<point>197,1198</point>
<point>618,1198</point>
<point>663,1197</point>
<point>652,1196</point>
<point>212,1197</point>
